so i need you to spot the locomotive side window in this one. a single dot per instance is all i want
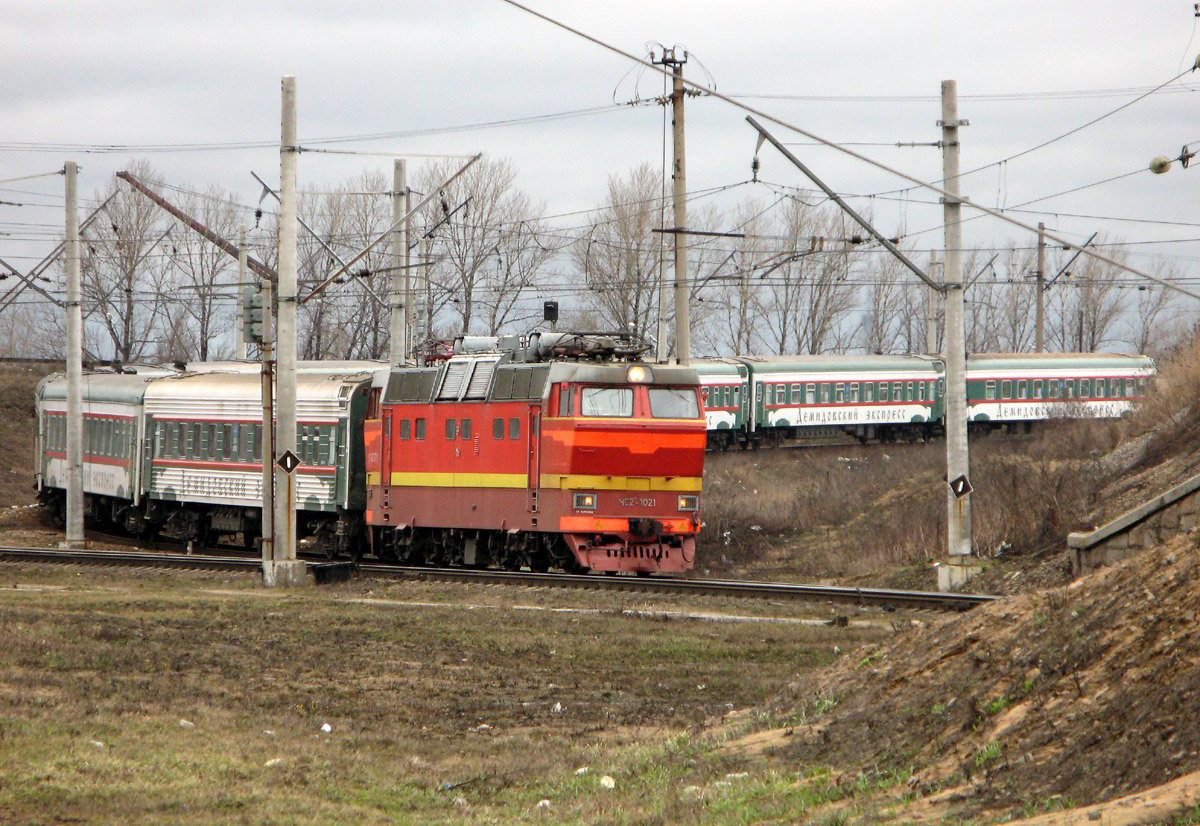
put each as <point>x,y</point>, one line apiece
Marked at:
<point>564,400</point>
<point>606,401</point>
<point>464,430</point>
<point>405,429</point>
<point>673,403</point>
<point>451,428</point>
<point>420,429</point>
<point>497,429</point>
<point>520,384</point>
<point>514,428</point>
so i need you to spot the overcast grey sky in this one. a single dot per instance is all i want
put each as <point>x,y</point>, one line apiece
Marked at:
<point>130,72</point>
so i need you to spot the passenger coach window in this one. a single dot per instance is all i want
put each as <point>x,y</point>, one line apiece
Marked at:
<point>810,394</point>
<point>606,401</point>
<point>673,403</point>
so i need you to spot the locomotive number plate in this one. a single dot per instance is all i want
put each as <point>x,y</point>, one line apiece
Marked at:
<point>636,501</point>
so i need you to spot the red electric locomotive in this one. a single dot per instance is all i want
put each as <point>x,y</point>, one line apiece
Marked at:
<point>552,450</point>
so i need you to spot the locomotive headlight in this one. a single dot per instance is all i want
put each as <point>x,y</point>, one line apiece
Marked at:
<point>585,501</point>
<point>638,374</point>
<point>689,503</point>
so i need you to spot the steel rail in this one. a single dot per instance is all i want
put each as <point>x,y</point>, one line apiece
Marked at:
<point>658,585</point>
<point>701,587</point>
<point>143,558</point>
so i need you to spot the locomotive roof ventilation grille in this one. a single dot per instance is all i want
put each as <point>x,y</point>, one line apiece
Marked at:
<point>481,379</point>
<point>452,382</point>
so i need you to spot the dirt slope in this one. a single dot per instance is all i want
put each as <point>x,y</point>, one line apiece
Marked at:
<point>1071,695</point>
<point>17,382</point>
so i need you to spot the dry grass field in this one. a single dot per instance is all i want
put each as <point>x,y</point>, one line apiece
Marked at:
<point>148,697</point>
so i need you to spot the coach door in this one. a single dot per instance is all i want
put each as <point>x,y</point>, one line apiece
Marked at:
<point>534,478</point>
<point>385,450</point>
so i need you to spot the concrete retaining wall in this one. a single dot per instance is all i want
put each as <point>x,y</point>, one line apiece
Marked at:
<point>1146,526</point>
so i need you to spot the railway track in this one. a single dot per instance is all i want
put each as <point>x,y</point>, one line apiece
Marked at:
<point>882,597</point>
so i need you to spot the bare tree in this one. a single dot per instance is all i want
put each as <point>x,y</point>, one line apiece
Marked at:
<point>1154,319</point>
<point>202,313</point>
<point>125,274</point>
<point>736,309</point>
<point>809,296</point>
<point>619,255</point>
<point>489,251</point>
<point>887,315</point>
<point>1085,306</point>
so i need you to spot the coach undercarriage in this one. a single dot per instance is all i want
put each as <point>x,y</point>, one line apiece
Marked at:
<point>327,534</point>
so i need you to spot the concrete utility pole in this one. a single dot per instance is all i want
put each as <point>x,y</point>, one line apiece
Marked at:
<point>239,347</point>
<point>285,569</point>
<point>660,352</point>
<point>406,283</point>
<point>267,528</point>
<point>427,285</point>
<point>683,334</point>
<point>961,565</point>
<point>1041,288</point>
<point>398,292</point>
<point>74,355</point>
<point>933,297</point>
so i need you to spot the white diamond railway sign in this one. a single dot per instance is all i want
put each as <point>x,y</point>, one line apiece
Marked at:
<point>288,461</point>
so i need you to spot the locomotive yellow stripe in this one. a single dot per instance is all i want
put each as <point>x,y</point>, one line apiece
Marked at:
<point>685,484</point>
<point>586,482</point>
<point>458,480</point>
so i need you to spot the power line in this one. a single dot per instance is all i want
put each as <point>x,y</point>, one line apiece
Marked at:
<point>1070,94</point>
<point>221,146</point>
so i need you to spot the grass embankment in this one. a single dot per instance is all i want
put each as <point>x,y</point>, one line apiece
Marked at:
<point>17,383</point>
<point>876,513</point>
<point>439,711</point>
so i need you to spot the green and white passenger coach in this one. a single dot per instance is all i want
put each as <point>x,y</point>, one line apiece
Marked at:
<point>181,451</point>
<point>751,401</point>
